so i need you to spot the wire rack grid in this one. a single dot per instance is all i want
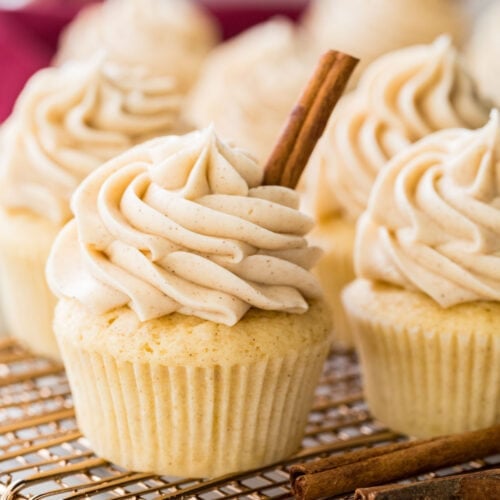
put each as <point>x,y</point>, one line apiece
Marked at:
<point>44,456</point>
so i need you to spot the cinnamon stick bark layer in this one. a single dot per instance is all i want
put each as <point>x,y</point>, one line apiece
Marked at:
<point>308,119</point>
<point>470,486</point>
<point>390,463</point>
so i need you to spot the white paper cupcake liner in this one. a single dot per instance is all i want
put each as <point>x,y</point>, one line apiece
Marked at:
<point>193,421</point>
<point>427,382</point>
<point>27,303</point>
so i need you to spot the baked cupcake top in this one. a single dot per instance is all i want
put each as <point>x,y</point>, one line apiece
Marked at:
<point>182,223</point>
<point>69,120</point>
<point>169,37</point>
<point>402,97</point>
<point>255,78</point>
<point>433,219</point>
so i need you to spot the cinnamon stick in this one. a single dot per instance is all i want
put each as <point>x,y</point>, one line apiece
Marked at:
<point>345,458</point>
<point>308,119</point>
<point>470,486</point>
<point>398,463</point>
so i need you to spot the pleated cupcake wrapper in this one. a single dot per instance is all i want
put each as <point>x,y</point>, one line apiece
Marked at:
<point>27,303</point>
<point>335,271</point>
<point>193,421</point>
<point>429,383</point>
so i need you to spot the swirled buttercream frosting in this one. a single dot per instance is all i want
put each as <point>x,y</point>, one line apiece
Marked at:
<point>402,97</point>
<point>182,223</point>
<point>256,77</point>
<point>169,37</point>
<point>70,120</point>
<point>433,219</point>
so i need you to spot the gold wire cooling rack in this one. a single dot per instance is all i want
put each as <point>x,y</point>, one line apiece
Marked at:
<point>44,456</point>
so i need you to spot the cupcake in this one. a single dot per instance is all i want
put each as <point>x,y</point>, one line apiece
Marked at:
<point>67,122</point>
<point>192,331</point>
<point>369,29</point>
<point>256,78</point>
<point>425,308</point>
<point>483,52</point>
<point>402,97</point>
<point>169,37</point>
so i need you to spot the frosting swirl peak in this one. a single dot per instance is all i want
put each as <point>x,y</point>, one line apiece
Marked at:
<point>433,220</point>
<point>181,223</point>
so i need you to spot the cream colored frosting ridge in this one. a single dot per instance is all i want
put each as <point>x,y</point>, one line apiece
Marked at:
<point>433,220</point>
<point>182,224</point>
<point>70,120</point>
<point>402,97</point>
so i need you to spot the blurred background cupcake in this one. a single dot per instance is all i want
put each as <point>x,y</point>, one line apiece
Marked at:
<point>369,28</point>
<point>249,84</point>
<point>483,51</point>
<point>168,37</point>
<point>66,123</point>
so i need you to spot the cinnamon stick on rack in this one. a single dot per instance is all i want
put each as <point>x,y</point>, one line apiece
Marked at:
<point>336,475</point>
<point>335,461</point>
<point>470,486</point>
<point>308,119</point>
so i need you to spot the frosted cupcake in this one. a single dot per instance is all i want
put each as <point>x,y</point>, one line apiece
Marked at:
<point>192,331</point>
<point>483,52</point>
<point>66,122</point>
<point>256,79</point>
<point>425,309</point>
<point>402,97</point>
<point>369,29</point>
<point>169,37</point>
